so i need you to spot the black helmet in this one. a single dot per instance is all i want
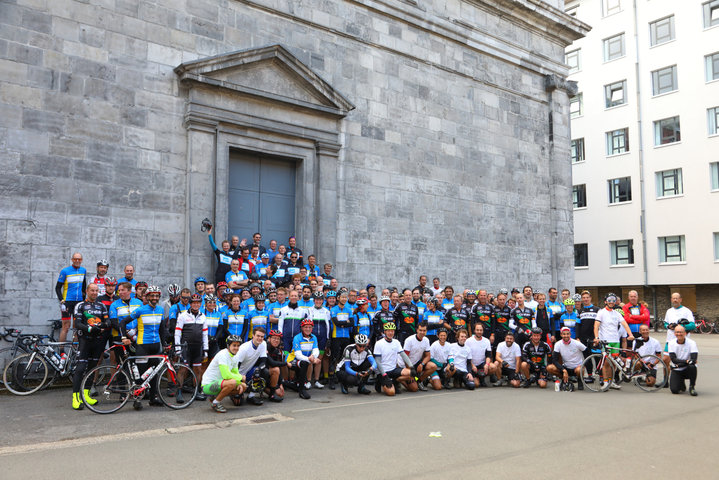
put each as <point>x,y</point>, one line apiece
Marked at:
<point>318,295</point>
<point>259,298</point>
<point>537,330</point>
<point>254,276</point>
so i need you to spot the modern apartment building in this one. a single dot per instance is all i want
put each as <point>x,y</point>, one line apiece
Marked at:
<point>645,150</point>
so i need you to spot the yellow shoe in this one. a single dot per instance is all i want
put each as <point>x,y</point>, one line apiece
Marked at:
<point>77,402</point>
<point>88,399</point>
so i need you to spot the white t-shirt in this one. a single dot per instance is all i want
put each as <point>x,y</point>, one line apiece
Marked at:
<point>415,349</point>
<point>673,315</point>
<point>509,354</point>
<point>571,354</point>
<point>459,354</point>
<point>650,347</point>
<point>389,351</point>
<point>684,350</point>
<point>223,357</point>
<point>481,349</point>
<point>609,324</point>
<point>248,356</point>
<point>439,352</point>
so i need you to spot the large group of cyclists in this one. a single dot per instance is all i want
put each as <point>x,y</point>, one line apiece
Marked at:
<point>273,321</point>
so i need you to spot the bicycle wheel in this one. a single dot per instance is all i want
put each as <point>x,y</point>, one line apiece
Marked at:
<point>592,376</point>
<point>650,374</point>
<point>177,389</point>
<point>7,354</point>
<point>113,388</point>
<point>25,374</point>
<point>703,327</point>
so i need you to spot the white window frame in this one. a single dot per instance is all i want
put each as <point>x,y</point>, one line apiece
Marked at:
<point>626,248</point>
<point>579,192</point>
<point>577,150</point>
<point>610,7</point>
<point>576,105</point>
<point>659,26</point>
<point>662,126</point>
<point>661,75</point>
<point>714,176</point>
<point>610,43</point>
<point>615,94</point>
<point>575,55</point>
<point>711,13</point>
<point>676,182</point>
<point>674,244</point>
<point>615,187</point>
<point>712,66</point>
<point>617,141</point>
<point>716,246</point>
<point>713,121</point>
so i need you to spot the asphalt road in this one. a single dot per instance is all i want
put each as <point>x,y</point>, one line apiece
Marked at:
<point>493,432</point>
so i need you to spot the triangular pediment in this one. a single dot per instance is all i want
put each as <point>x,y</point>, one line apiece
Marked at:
<point>270,72</point>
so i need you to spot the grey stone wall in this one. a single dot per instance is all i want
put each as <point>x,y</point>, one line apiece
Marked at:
<point>446,166</point>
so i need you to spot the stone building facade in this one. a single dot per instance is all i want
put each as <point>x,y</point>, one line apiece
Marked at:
<point>428,136</point>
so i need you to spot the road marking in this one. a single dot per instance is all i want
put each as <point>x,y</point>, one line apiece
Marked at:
<point>158,432</point>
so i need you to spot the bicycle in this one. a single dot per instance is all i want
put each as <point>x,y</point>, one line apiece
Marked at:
<point>40,366</point>
<point>703,326</point>
<point>115,385</point>
<point>640,370</point>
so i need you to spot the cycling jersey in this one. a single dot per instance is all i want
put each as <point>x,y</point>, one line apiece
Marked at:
<point>457,319</point>
<point>421,307</point>
<point>248,304</point>
<point>380,318</point>
<point>293,268</point>
<point>362,323</point>
<point>71,284</point>
<point>522,319</point>
<point>258,318</point>
<point>306,304</point>
<point>250,355</point>
<point>556,309</point>
<point>387,352</point>
<point>587,316</point>
<point>120,310</point>
<point>224,259</point>
<point>460,356</point>
<point>484,315</point>
<point>405,317</point>
<point>341,321</point>
<point>353,360</point>
<point>275,307</point>
<point>213,320</point>
<point>447,303</point>
<point>148,322</point>
<point>416,348</point>
<point>223,361</point>
<point>327,279</point>
<point>289,324</point>
<point>262,268</point>
<point>481,350</point>
<point>536,354</point>
<point>321,329</point>
<point>235,323</point>
<point>91,314</point>
<point>177,309</point>
<point>107,300</point>
<point>609,323</point>
<point>304,347</point>
<point>235,277</point>
<point>191,328</point>
<point>434,319</point>
<point>100,282</point>
<point>570,320</point>
<point>501,321</point>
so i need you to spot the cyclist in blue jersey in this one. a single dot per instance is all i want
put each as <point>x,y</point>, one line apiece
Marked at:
<point>341,316</point>
<point>320,316</point>
<point>307,353</point>
<point>372,306</point>
<point>147,320</point>
<point>70,290</point>
<point>120,310</point>
<point>199,284</point>
<point>234,319</point>
<point>263,265</point>
<point>175,310</point>
<point>213,317</point>
<point>306,302</point>
<point>417,301</point>
<point>280,300</point>
<point>434,319</point>
<point>236,279</point>
<point>259,316</point>
<point>361,319</point>
<point>570,318</point>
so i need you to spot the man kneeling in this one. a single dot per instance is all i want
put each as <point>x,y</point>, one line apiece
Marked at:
<point>387,350</point>
<point>356,365</point>
<point>222,377</point>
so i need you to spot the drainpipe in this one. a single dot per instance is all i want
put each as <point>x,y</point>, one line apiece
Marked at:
<point>642,167</point>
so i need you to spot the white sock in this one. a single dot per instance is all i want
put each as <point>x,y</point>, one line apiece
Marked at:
<point>215,401</point>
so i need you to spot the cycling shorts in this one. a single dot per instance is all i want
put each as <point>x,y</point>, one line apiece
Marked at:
<point>613,348</point>
<point>510,373</point>
<point>213,388</point>
<point>393,374</point>
<point>193,354</point>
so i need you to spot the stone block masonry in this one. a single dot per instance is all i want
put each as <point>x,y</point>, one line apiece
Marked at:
<point>444,166</point>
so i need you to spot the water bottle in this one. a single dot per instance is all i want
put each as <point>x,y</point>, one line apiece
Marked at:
<point>557,384</point>
<point>147,373</point>
<point>63,360</point>
<point>135,371</point>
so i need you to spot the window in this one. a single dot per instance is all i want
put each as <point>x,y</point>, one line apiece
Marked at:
<point>614,47</point>
<point>672,249</point>
<point>618,141</point>
<point>712,66</point>
<point>667,131</point>
<point>661,31</point>
<point>711,13</point>
<point>669,182</point>
<point>713,120</point>
<point>577,150</point>
<point>714,173</point>
<point>581,255</point>
<point>579,194</point>
<point>611,6</point>
<point>614,94</point>
<point>620,190</point>
<point>664,80</point>
<point>575,106</point>
<point>622,252</point>
<point>716,247</point>
<point>572,10</point>
<point>573,60</point>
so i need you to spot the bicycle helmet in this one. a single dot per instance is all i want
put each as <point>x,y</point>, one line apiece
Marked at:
<point>361,301</point>
<point>537,330</point>
<point>271,290</point>
<point>103,263</point>
<point>307,321</point>
<point>254,276</point>
<point>153,289</point>
<point>383,298</point>
<point>140,285</point>
<point>265,255</point>
<point>504,291</point>
<point>221,284</point>
<point>318,296</point>
<point>173,289</point>
<point>331,293</point>
<point>569,301</point>
<point>195,298</point>
<point>471,292</point>
<point>255,285</point>
<point>389,326</point>
<point>200,279</point>
<point>275,333</point>
<point>210,298</point>
<point>577,298</point>
<point>259,298</point>
<point>232,339</point>
<point>229,291</point>
<point>361,339</point>
<point>610,298</point>
<point>110,281</point>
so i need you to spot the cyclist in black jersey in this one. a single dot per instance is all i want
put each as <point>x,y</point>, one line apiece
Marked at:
<point>382,317</point>
<point>457,317</point>
<point>483,312</point>
<point>535,357</point>
<point>406,317</point>
<point>277,363</point>
<point>501,320</point>
<point>522,318</point>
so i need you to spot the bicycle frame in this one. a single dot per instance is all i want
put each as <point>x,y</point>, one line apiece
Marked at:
<point>619,367</point>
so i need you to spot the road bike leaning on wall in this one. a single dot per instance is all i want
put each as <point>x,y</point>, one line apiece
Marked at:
<point>116,384</point>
